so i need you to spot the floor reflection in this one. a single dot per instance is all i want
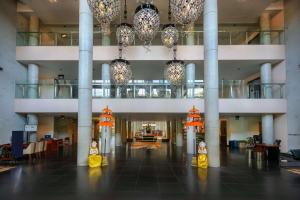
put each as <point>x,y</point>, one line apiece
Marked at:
<point>164,173</point>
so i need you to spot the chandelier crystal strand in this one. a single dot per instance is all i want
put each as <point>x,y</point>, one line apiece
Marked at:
<point>186,11</point>
<point>121,70</point>
<point>175,70</point>
<point>125,33</point>
<point>146,22</point>
<point>105,11</point>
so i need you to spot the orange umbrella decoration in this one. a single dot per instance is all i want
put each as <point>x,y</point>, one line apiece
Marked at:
<point>106,118</point>
<point>194,118</point>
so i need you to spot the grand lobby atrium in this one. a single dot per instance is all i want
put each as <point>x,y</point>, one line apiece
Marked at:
<point>149,99</point>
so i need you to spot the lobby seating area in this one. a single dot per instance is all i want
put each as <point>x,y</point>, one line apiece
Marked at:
<point>43,149</point>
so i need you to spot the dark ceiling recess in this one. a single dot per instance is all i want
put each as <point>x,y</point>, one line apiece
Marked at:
<point>1,69</point>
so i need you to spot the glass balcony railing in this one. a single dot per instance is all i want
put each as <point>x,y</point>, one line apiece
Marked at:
<point>72,38</point>
<point>67,89</point>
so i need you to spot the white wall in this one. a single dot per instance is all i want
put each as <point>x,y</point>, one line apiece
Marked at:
<point>45,126</point>
<point>242,128</point>
<point>105,53</point>
<point>237,106</point>
<point>12,72</point>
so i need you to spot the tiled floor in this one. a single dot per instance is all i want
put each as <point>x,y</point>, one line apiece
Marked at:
<point>150,174</point>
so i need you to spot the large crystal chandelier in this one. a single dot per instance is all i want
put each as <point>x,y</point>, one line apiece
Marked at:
<point>125,33</point>
<point>120,70</point>
<point>105,11</point>
<point>175,70</point>
<point>169,34</point>
<point>146,21</point>
<point>186,11</point>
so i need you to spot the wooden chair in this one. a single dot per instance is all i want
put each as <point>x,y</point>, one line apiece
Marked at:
<point>30,150</point>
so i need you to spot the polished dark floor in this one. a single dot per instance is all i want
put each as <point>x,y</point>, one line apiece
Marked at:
<point>150,174</point>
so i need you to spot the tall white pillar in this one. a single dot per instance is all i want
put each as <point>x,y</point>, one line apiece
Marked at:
<point>190,67</point>
<point>32,80</point>
<point>34,28</point>
<point>179,135</point>
<point>33,73</point>
<point>105,66</point>
<point>266,79</point>
<point>32,93</point>
<point>190,139</point>
<point>106,79</point>
<point>190,79</point>
<point>118,132</point>
<point>105,139</point>
<point>265,27</point>
<point>211,79</point>
<point>85,82</point>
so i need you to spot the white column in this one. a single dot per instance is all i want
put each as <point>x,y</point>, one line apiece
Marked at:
<point>33,73</point>
<point>105,66</point>
<point>105,139</point>
<point>118,133</point>
<point>190,79</point>
<point>265,27</point>
<point>106,79</point>
<point>179,135</point>
<point>190,139</point>
<point>85,82</point>
<point>211,79</point>
<point>266,78</point>
<point>32,93</point>
<point>34,28</point>
<point>190,67</point>
<point>32,80</point>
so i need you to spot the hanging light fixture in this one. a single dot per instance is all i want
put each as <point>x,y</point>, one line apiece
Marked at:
<point>175,70</point>
<point>105,11</point>
<point>186,11</point>
<point>125,34</point>
<point>146,21</point>
<point>170,34</point>
<point>120,70</point>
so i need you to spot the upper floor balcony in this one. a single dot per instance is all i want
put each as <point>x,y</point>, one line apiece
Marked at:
<point>65,38</point>
<point>141,89</point>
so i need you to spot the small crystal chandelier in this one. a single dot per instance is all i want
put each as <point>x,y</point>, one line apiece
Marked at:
<point>120,70</point>
<point>125,34</point>
<point>187,11</point>
<point>105,11</point>
<point>170,34</point>
<point>175,70</point>
<point>146,21</point>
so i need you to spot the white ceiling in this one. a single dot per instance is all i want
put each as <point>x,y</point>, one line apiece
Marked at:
<point>230,11</point>
<point>150,70</point>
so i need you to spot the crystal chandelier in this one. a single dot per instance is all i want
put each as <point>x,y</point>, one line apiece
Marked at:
<point>175,70</point>
<point>170,34</point>
<point>146,21</point>
<point>120,70</point>
<point>105,11</point>
<point>125,34</point>
<point>186,11</point>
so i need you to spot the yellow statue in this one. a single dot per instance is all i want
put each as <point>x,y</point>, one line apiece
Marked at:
<point>94,156</point>
<point>202,155</point>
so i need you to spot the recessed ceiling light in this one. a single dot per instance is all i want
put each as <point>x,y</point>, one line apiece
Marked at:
<point>63,35</point>
<point>53,1</point>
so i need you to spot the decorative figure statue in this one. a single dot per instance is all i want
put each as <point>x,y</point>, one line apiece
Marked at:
<point>202,155</point>
<point>94,156</point>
